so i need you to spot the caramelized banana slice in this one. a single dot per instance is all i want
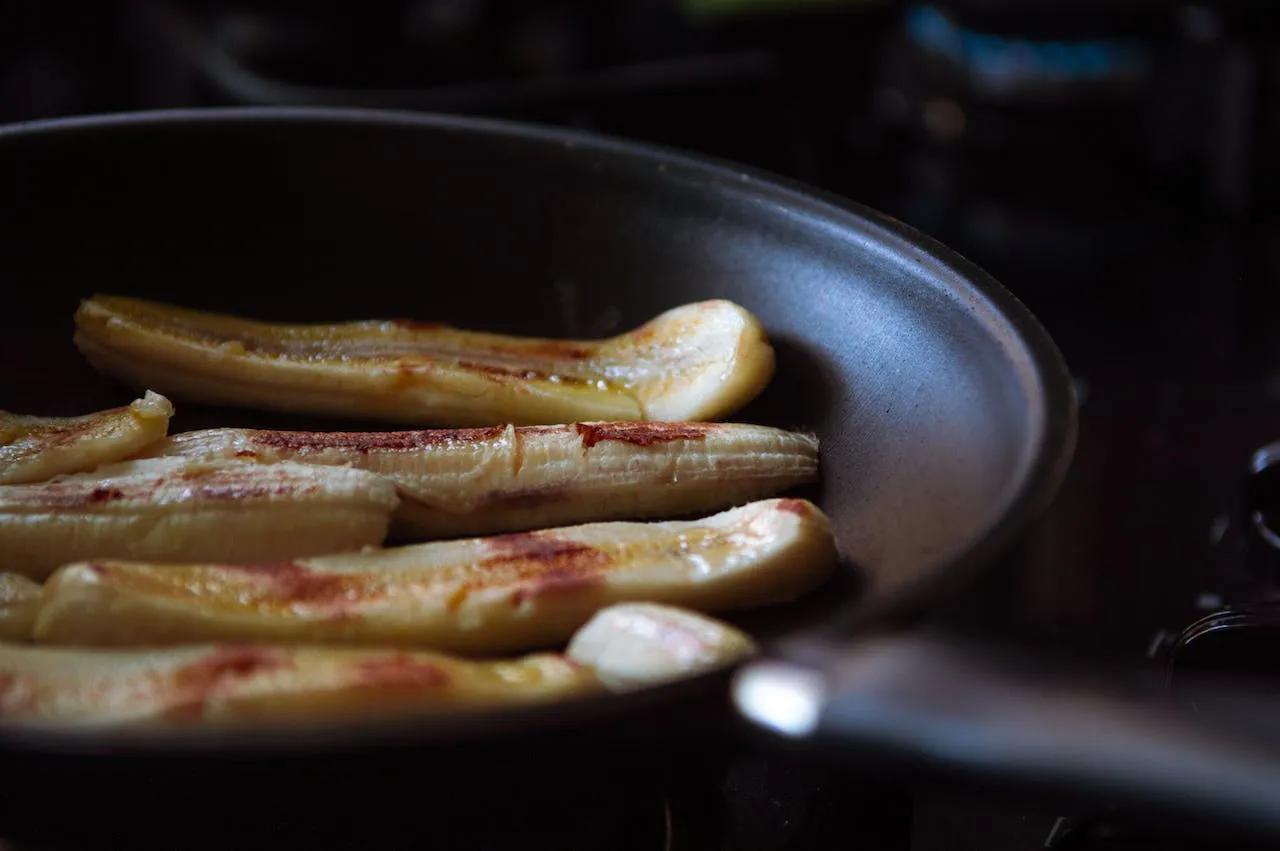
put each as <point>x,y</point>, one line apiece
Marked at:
<point>19,604</point>
<point>221,684</point>
<point>635,645</point>
<point>461,482</point>
<point>227,684</point>
<point>697,362</point>
<point>175,509</point>
<point>477,596</point>
<point>33,449</point>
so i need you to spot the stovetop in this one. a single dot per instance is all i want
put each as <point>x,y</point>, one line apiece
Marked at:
<point>1145,242</point>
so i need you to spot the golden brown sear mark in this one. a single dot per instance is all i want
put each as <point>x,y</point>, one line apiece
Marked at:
<point>67,496</point>
<point>511,373</point>
<point>535,564</point>
<point>400,670</point>
<point>206,484</point>
<point>302,441</point>
<point>527,497</point>
<point>642,433</point>
<point>234,492</point>
<point>13,696</point>
<point>277,586</point>
<point>196,683</point>
<point>229,663</point>
<point>555,350</point>
<point>548,349</point>
<point>798,507</point>
<point>645,333</point>
<point>494,371</point>
<point>536,547</point>
<point>60,433</point>
<point>293,584</point>
<point>556,581</point>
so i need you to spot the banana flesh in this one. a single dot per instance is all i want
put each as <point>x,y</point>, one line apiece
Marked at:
<point>637,645</point>
<point>464,482</point>
<point>34,449</point>
<point>502,594</point>
<point>229,684</point>
<point>700,361</point>
<point>175,509</point>
<point>218,684</point>
<point>19,604</point>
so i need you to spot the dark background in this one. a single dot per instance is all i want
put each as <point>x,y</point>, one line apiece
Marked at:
<point>1108,160</point>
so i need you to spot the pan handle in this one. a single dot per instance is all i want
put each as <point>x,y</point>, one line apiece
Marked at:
<point>936,708</point>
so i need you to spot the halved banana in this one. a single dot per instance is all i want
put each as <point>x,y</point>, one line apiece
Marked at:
<point>231,683</point>
<point>636,645</point>
<point>34,449</point>
<point>175,509</point>
<point>19,604</point>
<point>253,683</point>
<point>503,479</point>
<point>484,595</point>
<point>697,362</point>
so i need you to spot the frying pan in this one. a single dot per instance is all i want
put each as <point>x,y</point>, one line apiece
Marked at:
<point>945,412</point>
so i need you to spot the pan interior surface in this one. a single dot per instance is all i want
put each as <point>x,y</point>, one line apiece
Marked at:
<point>943,410</point>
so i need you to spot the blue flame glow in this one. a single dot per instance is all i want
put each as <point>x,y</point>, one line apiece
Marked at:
<point>998,63</point>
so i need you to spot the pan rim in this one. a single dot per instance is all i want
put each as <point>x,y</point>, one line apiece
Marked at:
<point>1043,463</point>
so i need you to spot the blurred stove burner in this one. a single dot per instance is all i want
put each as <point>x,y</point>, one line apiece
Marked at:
<point>1119,832</point>
<point>1237,644</point>
<point>1263,504</point>
<point>1239,634</point>
<point>999,66</point>
<point>1240,643</point>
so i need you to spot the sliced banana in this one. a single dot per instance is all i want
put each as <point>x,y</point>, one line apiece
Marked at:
<point>479,596</point>
<point>34,449</point>
<point>228,684</point>
<point>638,645</point>
<point>176,509</point>
<point>696,362</point>
<point>461,482</point>
<point>235,683</point>
<point>19,604</point>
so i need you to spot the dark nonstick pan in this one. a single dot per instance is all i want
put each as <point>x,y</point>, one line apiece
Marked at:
<point>946,413</point>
